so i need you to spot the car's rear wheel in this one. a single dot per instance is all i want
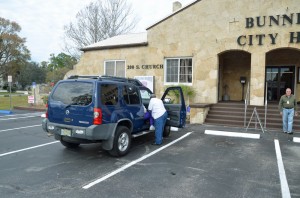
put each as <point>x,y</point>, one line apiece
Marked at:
<point>167,131</point>
<point>69,144</point>
<point>122,142</point>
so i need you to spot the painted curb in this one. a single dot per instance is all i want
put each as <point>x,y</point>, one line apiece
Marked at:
<point>30,108</point>
<point>296,139</point>
<point>5,112</point>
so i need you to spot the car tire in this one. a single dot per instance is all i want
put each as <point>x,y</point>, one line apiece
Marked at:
<point>167,131</point>
<point>122,142</point>
<point>69,144</point>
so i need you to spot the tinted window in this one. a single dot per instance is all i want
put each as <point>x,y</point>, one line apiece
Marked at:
<point>109,94</point>
<point>132,95</point>
<point>172,97</point>
<point>125,95</point>
<point>76,93</point>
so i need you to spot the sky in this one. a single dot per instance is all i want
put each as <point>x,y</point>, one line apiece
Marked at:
<point>42,21</point>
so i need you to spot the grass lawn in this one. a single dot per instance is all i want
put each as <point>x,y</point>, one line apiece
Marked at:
<point>7,93</point>
<point>15,101</point>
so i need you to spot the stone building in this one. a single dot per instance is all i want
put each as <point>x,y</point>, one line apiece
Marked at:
<point>214,46</point>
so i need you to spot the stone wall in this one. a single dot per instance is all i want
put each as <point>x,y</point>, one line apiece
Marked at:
<point>198,113</point>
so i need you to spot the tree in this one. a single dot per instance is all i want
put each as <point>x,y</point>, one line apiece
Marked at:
<point>31,72</point>
<point>99,20</point>
<point>56,74</point>
<point>62,60</point>
<point>44,64</point>
<point>13,52</point>
<point>58,66</point>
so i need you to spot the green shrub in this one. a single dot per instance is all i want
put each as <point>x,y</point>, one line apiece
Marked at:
<point>13,89</point>
<point>45,99</point>
<point>188,92</point>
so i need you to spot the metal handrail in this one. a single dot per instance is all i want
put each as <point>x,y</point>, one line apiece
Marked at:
<point>246,103</point>
<point>266,105</point>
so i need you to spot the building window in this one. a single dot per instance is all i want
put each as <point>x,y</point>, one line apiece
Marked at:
<point>178,71</point>
<point>114,68</point>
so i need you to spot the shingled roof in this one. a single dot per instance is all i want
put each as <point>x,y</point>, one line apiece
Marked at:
<point>125,40</point>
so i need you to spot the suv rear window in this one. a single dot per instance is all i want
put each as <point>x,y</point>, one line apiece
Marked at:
<point>75,93</point>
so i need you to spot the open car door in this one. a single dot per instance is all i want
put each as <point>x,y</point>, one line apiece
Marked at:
<point>173,100</point>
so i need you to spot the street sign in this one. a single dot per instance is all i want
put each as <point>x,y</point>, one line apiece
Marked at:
<point>31,99</point>
<point>9,79</point>
<point>33,85</point>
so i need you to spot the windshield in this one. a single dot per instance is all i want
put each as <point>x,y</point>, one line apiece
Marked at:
<point>74,93</point>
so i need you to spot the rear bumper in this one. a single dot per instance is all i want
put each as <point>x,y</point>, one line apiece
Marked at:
<point>93,132</point>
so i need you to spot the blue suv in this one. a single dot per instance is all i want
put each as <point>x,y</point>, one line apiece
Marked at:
<point>93,109</point>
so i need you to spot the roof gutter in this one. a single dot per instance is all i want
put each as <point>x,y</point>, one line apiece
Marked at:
<point>114,46</point>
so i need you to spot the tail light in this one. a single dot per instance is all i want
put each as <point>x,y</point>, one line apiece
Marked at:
<point>46,110</point>
<point>97,116</point>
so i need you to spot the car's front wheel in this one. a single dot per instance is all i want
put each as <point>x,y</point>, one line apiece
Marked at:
<point>122,142</point>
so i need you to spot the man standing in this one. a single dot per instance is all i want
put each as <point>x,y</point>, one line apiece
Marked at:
<point>288,108</point>
<point>159,115</point>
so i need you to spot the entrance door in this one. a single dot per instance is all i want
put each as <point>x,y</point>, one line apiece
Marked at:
<point>278,79</point>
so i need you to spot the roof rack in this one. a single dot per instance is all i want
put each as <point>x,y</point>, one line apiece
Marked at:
<point>108,77</point>
<point>82,76</point>
<point>123,79</point>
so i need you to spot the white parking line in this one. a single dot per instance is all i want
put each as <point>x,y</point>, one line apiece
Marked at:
<point>18,118</point>
<point>285,191</point>
<point>29,148</point>
<point>232,134</point>
<point>296,139</point>
<point>20,128</point>
<point>22,114</point>
<point>133,162</point>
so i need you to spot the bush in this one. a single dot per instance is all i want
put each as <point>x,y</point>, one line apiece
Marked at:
<point>4,87</point>
<point>45,99</point>
<point>13,88</point>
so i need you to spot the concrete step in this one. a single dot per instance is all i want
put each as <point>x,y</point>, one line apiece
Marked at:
<point>233,110</point>
<point>232,114</point>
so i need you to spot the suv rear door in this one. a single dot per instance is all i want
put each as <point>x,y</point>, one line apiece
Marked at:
<point>145,95</point>
<point>134,106</point>
<point>174,103</point>
<point>71,103</point>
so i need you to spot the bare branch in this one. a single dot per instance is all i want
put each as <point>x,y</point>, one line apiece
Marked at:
<point>99,20</point>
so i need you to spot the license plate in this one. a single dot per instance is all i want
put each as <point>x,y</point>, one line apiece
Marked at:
<point>65,132</point>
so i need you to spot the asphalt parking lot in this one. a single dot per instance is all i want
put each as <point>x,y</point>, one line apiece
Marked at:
<point>190,163</point>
